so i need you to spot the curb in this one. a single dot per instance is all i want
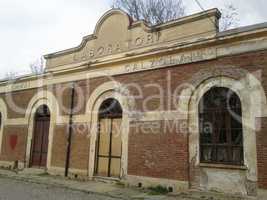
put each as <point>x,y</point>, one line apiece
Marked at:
<point>32,180</point>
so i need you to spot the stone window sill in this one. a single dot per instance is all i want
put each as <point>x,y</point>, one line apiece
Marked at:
<point>222,166</point>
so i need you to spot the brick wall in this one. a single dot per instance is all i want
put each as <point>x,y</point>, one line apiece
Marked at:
<point>20,99</point>
<point>79,158</point>
<point>178,75</point>
<point>154,155</point>
<point>161,154</point>
<point>262,153</point>
<point>14,143</point>
<point>59,146</point>
<point>80,145</point>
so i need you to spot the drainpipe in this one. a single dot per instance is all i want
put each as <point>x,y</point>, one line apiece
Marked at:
<point>70,131</point>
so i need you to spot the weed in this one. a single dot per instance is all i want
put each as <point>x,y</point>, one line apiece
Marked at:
<point>158,190</point>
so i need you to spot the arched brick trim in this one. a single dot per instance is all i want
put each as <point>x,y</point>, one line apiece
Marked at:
<point>244,80</point>
<point>3,111</point>
<point>215,71</point>
<point>46,95</point>
<point>41,98</point>
<point>110,86</point>
<point>103,92</point>
<point>253,99</point>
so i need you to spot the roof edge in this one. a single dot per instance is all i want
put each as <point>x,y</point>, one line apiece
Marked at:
<point>133,24</point>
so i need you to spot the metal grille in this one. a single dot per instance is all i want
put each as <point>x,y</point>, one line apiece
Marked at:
<point>221,131</point>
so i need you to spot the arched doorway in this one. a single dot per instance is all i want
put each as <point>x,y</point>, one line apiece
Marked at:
<point>39,148</point>
<point>221,130</point>
<point>109,143</point>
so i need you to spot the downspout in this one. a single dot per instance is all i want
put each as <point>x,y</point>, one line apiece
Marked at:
<point>70,131</point>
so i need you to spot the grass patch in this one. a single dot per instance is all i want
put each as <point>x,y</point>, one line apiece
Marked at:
<point>158,190</point>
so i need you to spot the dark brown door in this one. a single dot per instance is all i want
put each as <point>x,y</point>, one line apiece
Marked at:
<point>40,142</point>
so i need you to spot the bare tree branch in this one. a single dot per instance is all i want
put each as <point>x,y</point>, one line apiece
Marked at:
<point>37,67</point>
<point>160,11</point>
<point>230,17</point>
<point>152,11</point>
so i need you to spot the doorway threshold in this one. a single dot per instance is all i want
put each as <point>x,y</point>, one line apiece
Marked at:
<point>106,179</point>
<point>33,171</point>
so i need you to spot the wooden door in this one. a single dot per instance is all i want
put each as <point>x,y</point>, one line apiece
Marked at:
<point>109,148</point>
<point>40,142</point>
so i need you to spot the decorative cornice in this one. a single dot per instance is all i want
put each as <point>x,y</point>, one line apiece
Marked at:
<point>133,24</point>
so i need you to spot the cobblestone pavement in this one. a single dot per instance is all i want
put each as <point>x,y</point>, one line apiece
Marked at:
<point>19,190</point>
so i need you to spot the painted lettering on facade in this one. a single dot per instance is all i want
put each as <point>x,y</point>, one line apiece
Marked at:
<point>20,86</point>
<point>149,64</point>
<point>121,46</point>
<point>171,60</point>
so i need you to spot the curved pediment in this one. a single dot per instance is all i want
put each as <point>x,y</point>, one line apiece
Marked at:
<point>111,33</point>
<point>117,34</point>
<point>113,17</point>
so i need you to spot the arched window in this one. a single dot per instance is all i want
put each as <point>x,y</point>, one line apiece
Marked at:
<point>42,111</point>
<point>110,108</point>
<point>220,124</point>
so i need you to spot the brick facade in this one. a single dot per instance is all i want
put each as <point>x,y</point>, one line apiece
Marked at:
<point>18,134</point>
<point>59,146</point>
<point>167,154</point>
<point>160,155</point>
<point>262,153</point>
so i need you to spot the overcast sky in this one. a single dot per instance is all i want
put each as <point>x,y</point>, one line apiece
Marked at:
<point>31,28</point>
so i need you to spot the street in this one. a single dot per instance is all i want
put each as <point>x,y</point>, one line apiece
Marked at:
<point>18,190</point>
<point>48,188</point>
